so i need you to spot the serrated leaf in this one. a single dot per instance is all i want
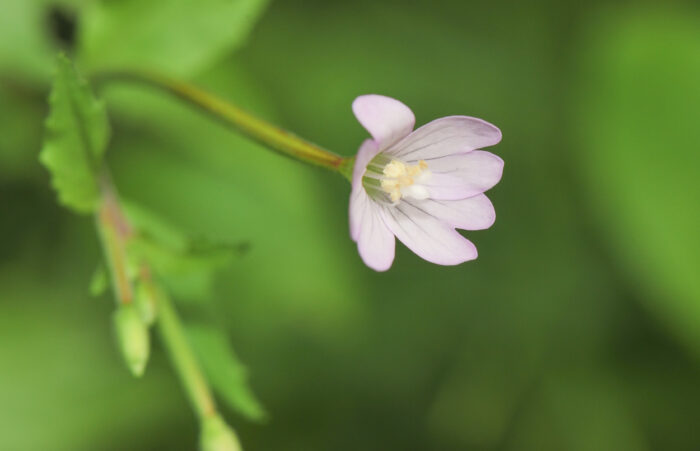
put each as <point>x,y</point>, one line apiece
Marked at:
<point>77,131</point>
<point>227,375</point>
<point>179,38</point>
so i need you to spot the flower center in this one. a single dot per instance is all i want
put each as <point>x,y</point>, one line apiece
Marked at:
<point>395,179</point>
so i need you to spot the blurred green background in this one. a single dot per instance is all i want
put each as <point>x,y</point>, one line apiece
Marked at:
<point>578,327</point>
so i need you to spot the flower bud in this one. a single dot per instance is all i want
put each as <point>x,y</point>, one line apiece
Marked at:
<point>216,435</point>
<point>132,337</point>
<point>146,301</point>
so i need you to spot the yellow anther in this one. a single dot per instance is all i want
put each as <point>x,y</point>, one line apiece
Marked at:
<point>398,175</point>
<point>394,169</point>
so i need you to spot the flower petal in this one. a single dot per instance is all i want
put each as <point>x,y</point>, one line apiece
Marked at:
<point>427,236</point>
<point>446,136</point>
<point>358,199</point>
<point>375,242</point>
<point>386,119</point>
<point>474,213</point>
<point>463,175</point>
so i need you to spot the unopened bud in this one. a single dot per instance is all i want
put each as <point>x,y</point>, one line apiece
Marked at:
<point>132,337</point>
<point>216,435</point>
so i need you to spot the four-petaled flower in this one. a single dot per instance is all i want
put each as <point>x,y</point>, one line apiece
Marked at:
<point>419,186</point>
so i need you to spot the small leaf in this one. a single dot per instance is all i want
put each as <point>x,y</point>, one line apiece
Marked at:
<point>77,132</point>
<point>228,376</point>
<point>99,281</point>
<point>186,265</point>
<point>152,225</point>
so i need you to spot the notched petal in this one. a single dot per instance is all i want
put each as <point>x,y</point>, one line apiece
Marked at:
<point>464,175</point>
<point>375,243</point>
<point>446,136</point>
<point>430,238</point>
<point>474,213</point>
<point>386,119</point>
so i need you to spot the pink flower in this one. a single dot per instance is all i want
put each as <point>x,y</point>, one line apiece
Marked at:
<point>419,186</point>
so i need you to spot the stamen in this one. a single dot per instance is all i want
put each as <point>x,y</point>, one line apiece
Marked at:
<point>391,179</point>
<point>395,179</point>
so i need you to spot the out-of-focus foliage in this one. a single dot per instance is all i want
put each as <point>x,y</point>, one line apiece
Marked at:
<point>99,281</point>
<point>77,131</point>
<point>173,37</point>
<point>563,335</point>
<point>638,128</point>
<point>26,48</point>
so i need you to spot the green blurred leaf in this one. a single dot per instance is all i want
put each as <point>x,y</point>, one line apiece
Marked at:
<point>22,109</point>
<point>186,265</point>
<point>639,106</point>
<point>227,374</point>
<point>578,410</point>
<point>77,131</point>
<point>179,38</point>
<point>154,226</point>
<point>24,48</point>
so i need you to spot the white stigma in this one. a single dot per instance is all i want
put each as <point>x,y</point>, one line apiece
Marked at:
<point>403,180</point>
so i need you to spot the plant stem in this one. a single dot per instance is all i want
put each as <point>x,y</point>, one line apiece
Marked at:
<point>183,358</point>
<point>275,138</point>
<point>115,231</point>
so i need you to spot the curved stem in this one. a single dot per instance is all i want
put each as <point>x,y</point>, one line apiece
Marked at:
<point>255,128</point>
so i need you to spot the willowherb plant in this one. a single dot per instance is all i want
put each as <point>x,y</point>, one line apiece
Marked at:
<point>418,186</point>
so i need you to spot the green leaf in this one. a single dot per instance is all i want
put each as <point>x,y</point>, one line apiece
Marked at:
<point>77,132</point>
<point>228,376</point>
<point>185,264</point>
<point>639,160</point>
<point>178,38</point>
